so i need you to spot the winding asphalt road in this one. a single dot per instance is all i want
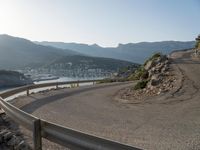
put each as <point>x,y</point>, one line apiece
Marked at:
<point>167,122</point>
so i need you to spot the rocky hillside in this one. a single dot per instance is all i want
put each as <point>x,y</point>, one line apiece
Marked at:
<point>13,79</point>
<point>18,53</point>
<point>154,78</point>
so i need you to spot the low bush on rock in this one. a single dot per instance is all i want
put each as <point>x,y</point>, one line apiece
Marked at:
<point>153,57</point>
<point>141,85</point>
<point>140,73</point>
<point>108,80</point>
<point>152,73</point>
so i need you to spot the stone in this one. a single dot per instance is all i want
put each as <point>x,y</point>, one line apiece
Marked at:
<point>3,132</point>
<point>155,80</point>
<point>159,92</point>
<point>164,69</point>
<point>166,62</point>
<point>21,146</point>
<point>7,136</point>
<point>155,77</point>
<point>149,65</point>
<point>150,72</point>
<point>13,141</point>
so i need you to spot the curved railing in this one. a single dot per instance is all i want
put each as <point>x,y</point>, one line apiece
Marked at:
<point>43,129</point>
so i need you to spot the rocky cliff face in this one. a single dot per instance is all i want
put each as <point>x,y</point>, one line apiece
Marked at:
<point>13,79</point>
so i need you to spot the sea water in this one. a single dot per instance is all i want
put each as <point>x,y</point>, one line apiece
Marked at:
<point>61,79</point>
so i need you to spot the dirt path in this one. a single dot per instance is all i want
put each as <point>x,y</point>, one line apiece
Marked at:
<point>167,122</point>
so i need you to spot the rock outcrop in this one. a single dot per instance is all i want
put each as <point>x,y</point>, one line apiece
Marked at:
<point>155,78</point>
<point>158,76</point>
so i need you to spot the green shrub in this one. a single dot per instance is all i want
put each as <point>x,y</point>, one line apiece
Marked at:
<point>153,57</point>
<point>108,80</point>
<point>141,85</point>
<point>140,73</point>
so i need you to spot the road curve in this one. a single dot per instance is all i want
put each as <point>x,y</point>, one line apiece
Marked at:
<point>167,122</point>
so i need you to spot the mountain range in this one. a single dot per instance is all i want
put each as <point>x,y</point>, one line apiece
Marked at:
<point>133,52</point>
<point>19,53</point>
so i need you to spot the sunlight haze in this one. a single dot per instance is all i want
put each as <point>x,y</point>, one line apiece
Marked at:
<point>104,22</point>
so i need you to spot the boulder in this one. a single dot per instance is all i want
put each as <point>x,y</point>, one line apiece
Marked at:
<point>155,79</point>
<point>8,136</point>
<point>149,65</point>
<point>145,75</point>
<point>151,72</point>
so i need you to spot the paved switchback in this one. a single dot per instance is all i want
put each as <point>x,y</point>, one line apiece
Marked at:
<point>167,122</point>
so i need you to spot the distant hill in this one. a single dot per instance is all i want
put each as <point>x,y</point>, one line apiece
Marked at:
<point>13,79</point>
<point>87,62</point>
<point>85,66</point>
<point>18,52</point>
<point>134,52</point>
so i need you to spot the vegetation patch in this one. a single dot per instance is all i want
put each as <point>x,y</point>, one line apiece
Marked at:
<point>140,73</point>
<point>197,45</point>
<point>141,85</point>
<point>108,80</point>
<point>153,57</point>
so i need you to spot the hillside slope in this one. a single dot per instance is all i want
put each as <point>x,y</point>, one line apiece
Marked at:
<point>86,62</point>
<point>13,79</point>
<point>18,52</point>
<point>22,54</point>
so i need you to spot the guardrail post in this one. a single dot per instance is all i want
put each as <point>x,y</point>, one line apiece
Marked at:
<point>37,139</point>
<point>56,86</point>
<point>27,92</point>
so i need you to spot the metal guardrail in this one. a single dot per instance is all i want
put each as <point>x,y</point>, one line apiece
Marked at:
<point>58,134</point>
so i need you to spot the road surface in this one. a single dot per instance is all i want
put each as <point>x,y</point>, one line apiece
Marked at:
<point>167,122</point>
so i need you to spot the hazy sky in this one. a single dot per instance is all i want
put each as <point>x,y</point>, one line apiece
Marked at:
<point>105,22</point>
